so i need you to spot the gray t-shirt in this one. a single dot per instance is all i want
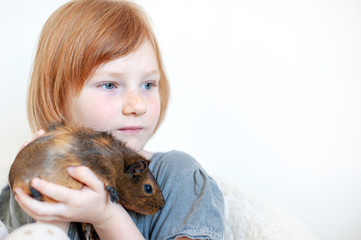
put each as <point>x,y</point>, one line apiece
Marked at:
<point>193,207</point>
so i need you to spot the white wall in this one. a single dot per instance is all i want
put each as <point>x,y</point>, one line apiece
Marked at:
<point>263,92</point>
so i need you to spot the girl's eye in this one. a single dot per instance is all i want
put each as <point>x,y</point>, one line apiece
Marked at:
<point>148,85</point>
<point>108,86</point>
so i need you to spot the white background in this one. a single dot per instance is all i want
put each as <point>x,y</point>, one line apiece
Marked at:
<point>265,93</point>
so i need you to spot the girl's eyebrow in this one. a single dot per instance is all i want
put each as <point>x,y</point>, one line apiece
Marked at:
<point>109,74</point>
<point>121,74</point>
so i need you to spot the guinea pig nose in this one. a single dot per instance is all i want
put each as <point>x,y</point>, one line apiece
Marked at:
<point>148,188</point>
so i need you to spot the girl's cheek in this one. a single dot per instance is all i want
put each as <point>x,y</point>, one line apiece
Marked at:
<point>154,109</point>
<point>94,114</point>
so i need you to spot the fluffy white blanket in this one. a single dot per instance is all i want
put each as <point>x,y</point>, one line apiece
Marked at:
<point>250,216</point>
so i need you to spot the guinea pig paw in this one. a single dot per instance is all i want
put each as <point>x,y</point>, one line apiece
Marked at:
<point>113,193</point>
<point>35,194</point>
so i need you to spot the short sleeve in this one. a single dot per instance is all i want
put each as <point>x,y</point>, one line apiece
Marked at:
<point>194,204</point>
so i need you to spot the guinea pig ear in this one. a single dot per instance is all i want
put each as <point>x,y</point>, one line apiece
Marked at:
<point>138,167</point>
<point>148,162</point>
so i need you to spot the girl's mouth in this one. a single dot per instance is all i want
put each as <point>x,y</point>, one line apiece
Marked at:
<point>131,129</point>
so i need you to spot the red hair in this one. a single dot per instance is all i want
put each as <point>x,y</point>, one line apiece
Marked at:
<point>77,38</point>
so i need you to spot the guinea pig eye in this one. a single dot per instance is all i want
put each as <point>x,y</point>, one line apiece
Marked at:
<point>148,188</point>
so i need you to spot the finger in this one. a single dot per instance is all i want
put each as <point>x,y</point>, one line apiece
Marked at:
<point>24,145</point>
<point>86,176</point>
<point>38,134</point>
<point>57,192</point>
<point>40,211</point>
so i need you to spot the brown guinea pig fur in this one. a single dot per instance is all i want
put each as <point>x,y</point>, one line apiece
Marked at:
<point>123,171</point>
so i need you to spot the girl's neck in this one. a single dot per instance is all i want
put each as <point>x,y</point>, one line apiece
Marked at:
<point>146,154</point>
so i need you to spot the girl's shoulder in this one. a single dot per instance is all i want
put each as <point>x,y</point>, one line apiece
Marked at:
<point>175,158</point>
<point>176,170</point>
<point>173,165</point>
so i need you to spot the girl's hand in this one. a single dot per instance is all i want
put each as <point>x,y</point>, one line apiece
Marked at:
<point>89,204</point>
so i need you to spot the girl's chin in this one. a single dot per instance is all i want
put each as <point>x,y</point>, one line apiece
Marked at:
<point>135,145</point>
<point>134,142</point>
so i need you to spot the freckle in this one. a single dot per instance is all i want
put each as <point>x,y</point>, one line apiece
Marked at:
<point>29,232</point>
<point>50,231</point>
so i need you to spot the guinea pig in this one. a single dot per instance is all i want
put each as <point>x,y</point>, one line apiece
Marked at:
<point>123,171</point>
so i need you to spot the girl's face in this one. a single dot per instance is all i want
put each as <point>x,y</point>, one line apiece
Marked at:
<point>122,98</point>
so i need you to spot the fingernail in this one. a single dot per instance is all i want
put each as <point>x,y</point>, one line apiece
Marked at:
<point>39,133</point>
<point>71,170</point>
<point>35,182</point>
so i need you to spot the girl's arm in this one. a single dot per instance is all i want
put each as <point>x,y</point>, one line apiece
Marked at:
<point>120,227</point>
<point>90,204</point>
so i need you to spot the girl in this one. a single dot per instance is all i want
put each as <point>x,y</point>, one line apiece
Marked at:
<point>98,64</point>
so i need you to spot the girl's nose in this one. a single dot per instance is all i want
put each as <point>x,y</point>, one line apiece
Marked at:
<point>134,104</point>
